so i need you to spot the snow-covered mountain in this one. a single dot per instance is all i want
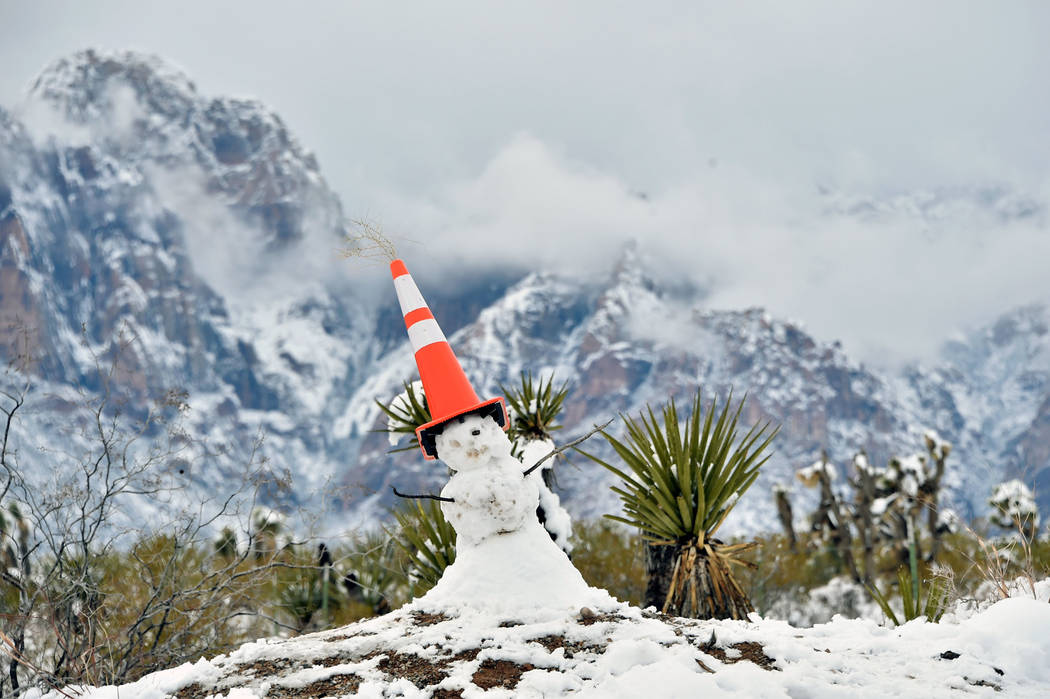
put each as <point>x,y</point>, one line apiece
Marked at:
<point>194,237</point>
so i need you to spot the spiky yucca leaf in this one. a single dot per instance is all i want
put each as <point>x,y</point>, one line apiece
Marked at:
<point>428,540</point>
<point>682,479</point>
<point>405,413</point>
<point>534,406</point>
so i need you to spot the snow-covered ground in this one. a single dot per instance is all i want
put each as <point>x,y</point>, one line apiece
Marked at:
<point>513,617</point>
<point>620,651</point>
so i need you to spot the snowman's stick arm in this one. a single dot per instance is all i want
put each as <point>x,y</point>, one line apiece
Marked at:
<point>570,445</point>
<point>420,497</point>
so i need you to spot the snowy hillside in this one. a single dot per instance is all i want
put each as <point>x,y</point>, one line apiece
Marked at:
<point>420,651</point>
<point>193,238</point>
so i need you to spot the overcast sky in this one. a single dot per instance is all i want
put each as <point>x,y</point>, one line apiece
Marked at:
<point>718,134</point>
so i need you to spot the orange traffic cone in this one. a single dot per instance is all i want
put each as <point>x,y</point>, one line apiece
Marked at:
<point>447,389</point>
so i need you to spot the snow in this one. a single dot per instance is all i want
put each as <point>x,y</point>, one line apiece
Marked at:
<point>399,405</point>
<point>1013,499</point>
<point>628,653</point>
<point>490,501</point>
<point>513,601</point>
<point>557,520</point>
<point>504,555</point>
<point>518,574</point>
<point>810,474</point>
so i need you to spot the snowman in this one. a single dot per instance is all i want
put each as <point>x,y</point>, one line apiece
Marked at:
<point>506,563</point>
<point>488,494</point>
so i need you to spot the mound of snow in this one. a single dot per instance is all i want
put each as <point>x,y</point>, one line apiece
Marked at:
<point>621,651</point>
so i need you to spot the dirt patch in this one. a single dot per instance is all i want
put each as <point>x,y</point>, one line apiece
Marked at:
<point>755,652</point>
<point>192,691</point>
<point>419,671</point>
<point>341,637</point>
<point>333,660</point>
<point>751,651</point>
<point>330,686</point>
<point>447,694</point>
<point>553,643</point>
<point>500,673</point>
<point>464,656</point>
<point>264,667</point>
<point>421,619</point>
<point>985,683</point>
<point>589,619</point>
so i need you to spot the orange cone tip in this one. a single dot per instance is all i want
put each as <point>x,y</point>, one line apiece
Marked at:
<point>446,387</point>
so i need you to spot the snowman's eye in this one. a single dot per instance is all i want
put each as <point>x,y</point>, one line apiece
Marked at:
<point>475,432</point>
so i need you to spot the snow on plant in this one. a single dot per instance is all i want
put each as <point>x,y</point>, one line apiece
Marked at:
<point>534,407</point>
<point>1014,507</point>
<point>407,411</point>
<point>810,475</point>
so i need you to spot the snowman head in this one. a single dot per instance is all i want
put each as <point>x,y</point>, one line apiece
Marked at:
<point>470,442</point>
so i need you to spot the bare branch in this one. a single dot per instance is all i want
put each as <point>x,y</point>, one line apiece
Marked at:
<point>570,445</point>
<point>369,243</point>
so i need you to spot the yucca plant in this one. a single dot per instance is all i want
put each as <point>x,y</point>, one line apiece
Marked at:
<point>534,407</point>
<point>910,587</point>
<point>681,481</point>
<point>405,413</point>
<point>428,541</point>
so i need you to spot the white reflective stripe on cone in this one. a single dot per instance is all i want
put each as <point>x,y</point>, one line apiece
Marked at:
<point>425,332</point>
<point>408,294</point>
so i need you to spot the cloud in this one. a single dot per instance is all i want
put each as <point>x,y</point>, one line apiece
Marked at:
<point>529,133</point>
<point>892,277</point>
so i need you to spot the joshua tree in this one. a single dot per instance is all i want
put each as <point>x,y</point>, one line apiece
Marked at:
<point>831,517</point>
<point>889,505</point>
<point>785,514</point>
<point>680,481</point>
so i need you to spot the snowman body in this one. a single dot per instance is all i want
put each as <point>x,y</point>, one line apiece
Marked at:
<point>506,562</point>
<point>490,495</point>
